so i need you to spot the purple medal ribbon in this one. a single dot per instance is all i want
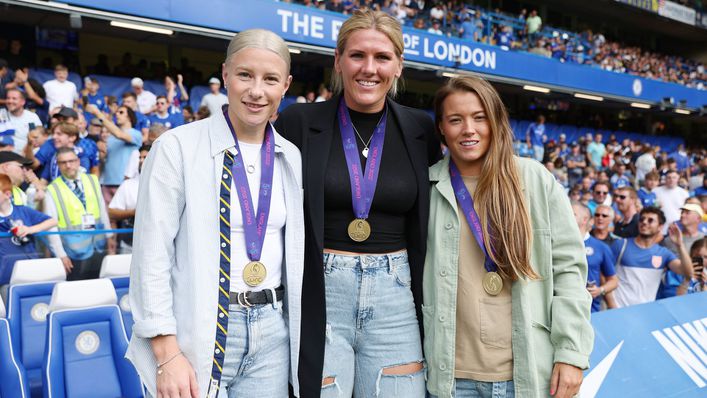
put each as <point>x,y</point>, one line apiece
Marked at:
<point>466,202</point>
<point>361,191</point>
<point>254,226</point>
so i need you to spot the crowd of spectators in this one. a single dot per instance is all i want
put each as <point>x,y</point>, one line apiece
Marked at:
<point>64,147</point>
<point>73,156</point>
<point>527,32</point>
<point>638,200</point>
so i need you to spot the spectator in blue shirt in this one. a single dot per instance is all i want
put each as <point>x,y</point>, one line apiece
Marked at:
<point>620,179</point>
<point>682,160</point>
<point>163,116</point>
<point>94,96</point>
<point>646,193</point>
<point>535,137</point>
<point>142,123</point>
<point>700,191</point>
<point>22,222</point>
<point>65,134</point>
<point>122,142</point>
<point>468,29</point>
<point>599,259</point>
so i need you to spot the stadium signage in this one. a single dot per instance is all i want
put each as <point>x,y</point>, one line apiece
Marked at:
<point>648,5</point>
<point>417,44</point>
<point>677,12</point>
<point>657,349</point>
<point>318,28</point>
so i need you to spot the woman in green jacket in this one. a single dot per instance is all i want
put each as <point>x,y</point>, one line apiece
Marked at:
<point>506,311</point>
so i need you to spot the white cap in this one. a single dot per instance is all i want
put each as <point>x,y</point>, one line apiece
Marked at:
<point>136,82</point>
<point>214,80</point>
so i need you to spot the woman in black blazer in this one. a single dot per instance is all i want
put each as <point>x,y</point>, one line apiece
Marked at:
<point>364,253</point>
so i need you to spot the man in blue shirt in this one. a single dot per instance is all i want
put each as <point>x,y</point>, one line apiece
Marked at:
<point>535,136</point>
<point>94,96</point>
<point>599,259</point>
<point>163,116</point>
<point>468,29</point>
<point>142,123</point>
<point>682,160</point>
<point>641,262</point>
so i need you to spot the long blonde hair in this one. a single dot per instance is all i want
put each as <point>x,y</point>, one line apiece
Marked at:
<point>369,19</point>
<point>500,202</point>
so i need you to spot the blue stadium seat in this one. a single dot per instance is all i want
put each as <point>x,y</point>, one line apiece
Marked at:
<point>117,269</point>
<point>30,290</point>
<point>13,380</point>
<point>86,337</point>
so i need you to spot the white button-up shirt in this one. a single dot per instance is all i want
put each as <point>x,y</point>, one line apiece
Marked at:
<point>174,276</point>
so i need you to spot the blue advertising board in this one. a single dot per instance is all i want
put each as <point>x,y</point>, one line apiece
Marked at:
<point>657,349</point>
<point>296,23</point>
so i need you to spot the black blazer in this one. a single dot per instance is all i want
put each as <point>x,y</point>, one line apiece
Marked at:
<point>310,127</point>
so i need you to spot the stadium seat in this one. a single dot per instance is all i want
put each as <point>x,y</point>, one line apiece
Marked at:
<point>30,290</point>
<point>86,336</point>
<point>13,380</point>
<point>117,268</point>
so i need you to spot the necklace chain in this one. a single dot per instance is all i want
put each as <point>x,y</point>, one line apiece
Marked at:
<point>365,144</point>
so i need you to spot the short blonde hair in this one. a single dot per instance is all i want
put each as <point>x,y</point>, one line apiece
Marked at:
<point>369,19</point>
<point>259,38</point>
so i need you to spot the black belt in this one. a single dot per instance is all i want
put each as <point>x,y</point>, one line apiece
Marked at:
<point>249,299</point>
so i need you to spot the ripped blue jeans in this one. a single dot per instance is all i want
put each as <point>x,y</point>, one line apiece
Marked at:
<point>371,326</point>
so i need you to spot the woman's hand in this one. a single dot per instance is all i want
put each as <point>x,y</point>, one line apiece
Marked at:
<point>565,380</point>
<point>176,379</point>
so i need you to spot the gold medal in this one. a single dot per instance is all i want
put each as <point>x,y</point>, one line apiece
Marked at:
<point>359,230</point>
<point>492,283</point>
<point>254,273</point>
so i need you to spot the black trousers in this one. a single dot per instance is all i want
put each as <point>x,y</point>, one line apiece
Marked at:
<point>89,268</point>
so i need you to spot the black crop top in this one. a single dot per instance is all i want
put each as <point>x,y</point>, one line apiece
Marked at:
<point>396,190</point>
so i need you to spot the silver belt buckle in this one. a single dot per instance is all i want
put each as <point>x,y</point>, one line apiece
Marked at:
<point>244,301</point>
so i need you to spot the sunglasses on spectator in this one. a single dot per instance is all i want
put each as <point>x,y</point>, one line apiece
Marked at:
<point>647,220</point>
<point>622,197</point>
<point>601,192</point>
<point>602,215</point>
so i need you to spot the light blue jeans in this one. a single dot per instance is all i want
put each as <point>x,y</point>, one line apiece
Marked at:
<point>371,326</point>
<point>257,359</point>
<point>464,388</point>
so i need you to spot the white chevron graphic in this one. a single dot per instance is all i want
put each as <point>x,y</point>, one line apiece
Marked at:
<point>592,383</point>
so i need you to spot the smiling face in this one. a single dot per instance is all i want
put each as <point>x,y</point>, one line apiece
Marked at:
<point>466,131</point>
<point>256,79</point>
<point>62,139</point>
<point>368,66</point>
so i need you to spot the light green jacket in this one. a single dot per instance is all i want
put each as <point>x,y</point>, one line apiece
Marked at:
<point>550,316</point>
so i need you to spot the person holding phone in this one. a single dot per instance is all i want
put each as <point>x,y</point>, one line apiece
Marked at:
<point>698,255</point>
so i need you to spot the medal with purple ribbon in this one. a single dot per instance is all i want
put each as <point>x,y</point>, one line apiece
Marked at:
<point>492,282</point>
<point>363,187</point>
<point>254,225</point>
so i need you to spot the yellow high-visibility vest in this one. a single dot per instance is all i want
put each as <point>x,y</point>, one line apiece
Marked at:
<point>69,207</point>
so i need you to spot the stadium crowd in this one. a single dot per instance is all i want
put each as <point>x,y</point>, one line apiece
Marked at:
<point>640,206</point>
<point>527,32</point>
<point>73,156</point>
